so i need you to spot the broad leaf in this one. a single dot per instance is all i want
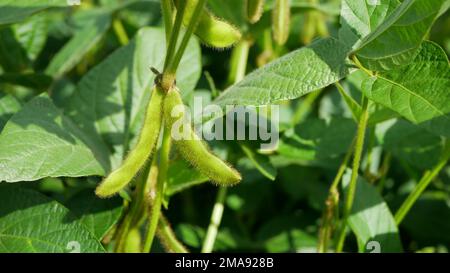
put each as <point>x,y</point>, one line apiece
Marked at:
<point>411,143</point>
<point>419,91</point>
<point>398,38</point>
<point>110,100</point>
<point>32,35</point>
<point>360,18</point>
<point>98,215</point>
<point>80,44</point>
<point>39,141</point>
<point>291,76</point>
<point>31,222</point>
<point>8,107</point>
<point>12,11</point>
<point>13,57</point>
<point>317,139</point>
<point>371,220</point>
<point>260,161</point>
<point>181,177</point>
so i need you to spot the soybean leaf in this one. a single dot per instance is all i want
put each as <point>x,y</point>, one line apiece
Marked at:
<point>181,176</point>
<point>12,11</point>
<point>98,215</point>
<point>411,143</point>
<point>370,219</point>
<point>32,35</point>
<point>261,162</point>
<point>397,40</point>
<point>8,106</point>
<point>31,222</point>
<point>360,18</point>
<point>13,57</point>
<point>284,234</point>
<point>36,81</point>
<point>291,76</point>
<point>111,99</point>
<point>419,91</point>
<point>39,141</point>
<point>80,44</point>
<point>422,222</point>
<point>318,140</point>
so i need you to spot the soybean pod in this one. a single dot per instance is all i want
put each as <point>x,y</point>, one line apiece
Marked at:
<point>281,20</point>
<point>254,10</point>
<point>135,160</point>
<point>211,30</point>
<point>192,148</point>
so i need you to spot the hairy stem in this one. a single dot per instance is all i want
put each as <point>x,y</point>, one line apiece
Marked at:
<point>359,145</point>
<point>168,238</point>
<point>331,204</point>
<point>159,193</point>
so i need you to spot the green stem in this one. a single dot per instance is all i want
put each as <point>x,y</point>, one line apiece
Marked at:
<point>173,65</point>
<point>239,59</point>
<point>384,171</point>
<point>120,32</point>
<point>331,204</point>
<point>422,185</point>
<point>174,34</point>
<point>359,145</point>
<point>216,218</point>
<point>168,238</point>
<point>159,193</point>
<point>237,73</point>
<point>167,12</point>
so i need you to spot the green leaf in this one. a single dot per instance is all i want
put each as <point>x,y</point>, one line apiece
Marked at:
<point>317,139</point>
<point>36,81</point>
<point>31,222</point>
<point>370,219</point>
<point>397,40</point>
<point>410,143</point>
<point>111,99</point>
<point>80,44</point>
<point>429,220</point>
<point>181,176</point>
<point>32,35</point>
<point>8,106</point>
<point>360,18</point>
<point>98,215</point>
<point>291,76</point>
<point>419,91</point>
<point>283,234</point>
<point>39,141</point>
<point>260,162</point>
<point>13,57</point>
<point>12,11</point>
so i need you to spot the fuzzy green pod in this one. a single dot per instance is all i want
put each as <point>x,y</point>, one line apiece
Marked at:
<point>254,10</point>
<point>281,20</point>
<point>148,138</point>
<point>211,30</point>
<point>133,241</point>
<point>192,148</point>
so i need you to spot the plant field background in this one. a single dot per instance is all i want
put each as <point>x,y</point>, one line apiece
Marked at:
<point>75,80</point>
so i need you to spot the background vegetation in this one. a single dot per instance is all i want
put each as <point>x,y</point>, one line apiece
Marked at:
<point>74,81</point>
